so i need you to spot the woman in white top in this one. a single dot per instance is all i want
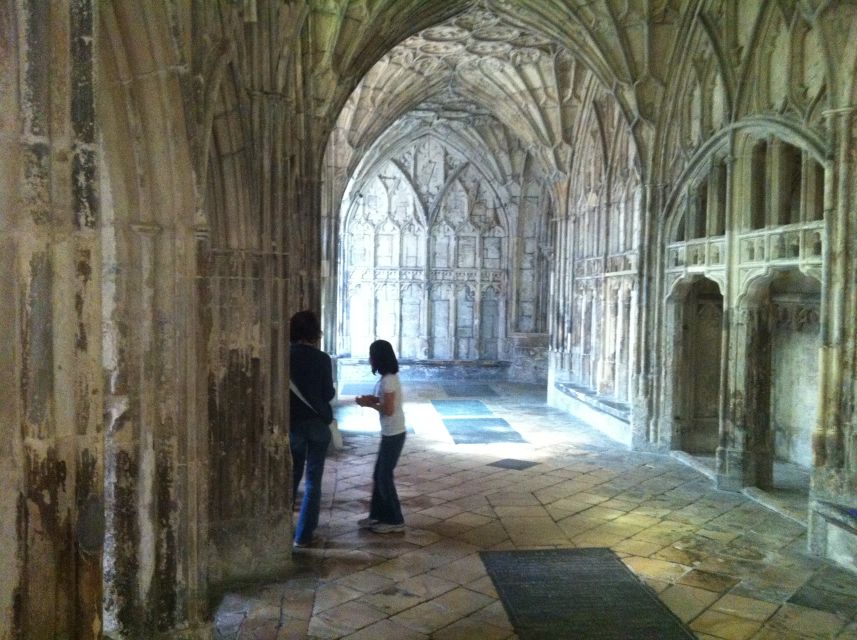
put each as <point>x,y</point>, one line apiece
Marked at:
<point>385,512</point>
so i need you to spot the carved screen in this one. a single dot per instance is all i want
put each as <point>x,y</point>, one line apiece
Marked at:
<point>429,233</point>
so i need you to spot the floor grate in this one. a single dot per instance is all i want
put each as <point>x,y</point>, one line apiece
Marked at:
<point>578,593</point>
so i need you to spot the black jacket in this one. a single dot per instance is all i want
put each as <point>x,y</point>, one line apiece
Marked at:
<point>312,373</point>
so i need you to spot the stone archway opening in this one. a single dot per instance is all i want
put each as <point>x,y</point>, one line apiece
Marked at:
<point>784,353</point>
<point>440,196</point>
<point>696,373</point>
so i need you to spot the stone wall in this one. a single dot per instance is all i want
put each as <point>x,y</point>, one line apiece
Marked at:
<point>794,362</point>
<point>52,451</point>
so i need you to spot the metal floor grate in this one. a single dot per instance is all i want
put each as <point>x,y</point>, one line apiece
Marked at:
<point>578,593</point>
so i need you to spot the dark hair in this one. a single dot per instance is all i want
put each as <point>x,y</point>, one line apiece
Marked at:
<point>304,326</point>
<point>383,358</point>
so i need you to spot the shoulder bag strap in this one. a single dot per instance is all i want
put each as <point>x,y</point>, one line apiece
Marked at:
<point>300,396</point>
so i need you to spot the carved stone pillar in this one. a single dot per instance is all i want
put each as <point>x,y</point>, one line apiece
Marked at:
<point>249,481</point>
<point>745,451</point>
<point>646,347</point>
<point>833,494</point>
<point>51,453</point>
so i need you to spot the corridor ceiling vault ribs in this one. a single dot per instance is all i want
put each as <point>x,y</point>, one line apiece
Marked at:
<point>455,151</point>
<point>474,66</point>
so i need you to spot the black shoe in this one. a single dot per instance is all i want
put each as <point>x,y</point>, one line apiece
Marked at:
<point>312,542</point>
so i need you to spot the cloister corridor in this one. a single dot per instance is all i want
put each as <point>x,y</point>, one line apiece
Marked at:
<point>613,244</point>
<point>724,564</point>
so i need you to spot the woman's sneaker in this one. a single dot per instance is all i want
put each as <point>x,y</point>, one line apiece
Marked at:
<point>383,527</point>
<point>367,523</point>
<point>313,542</point>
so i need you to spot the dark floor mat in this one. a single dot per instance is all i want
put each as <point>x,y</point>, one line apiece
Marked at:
<point>469,390</point>
<point>512,463</point>
<point>557,594</point>
<point>481,430</point>
<point>461,408</point>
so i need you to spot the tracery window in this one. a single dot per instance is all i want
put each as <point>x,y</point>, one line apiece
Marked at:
<point>434,249</point>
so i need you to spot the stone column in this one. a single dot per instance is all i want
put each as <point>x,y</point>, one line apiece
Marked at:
<point>833,494</point>
<point>51,455</point>
<point>647,347</point>
<point>745,451</point>
<point>244,292</point>
<point>249,482</point>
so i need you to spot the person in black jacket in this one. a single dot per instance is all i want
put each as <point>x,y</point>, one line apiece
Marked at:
<point>311,391</point>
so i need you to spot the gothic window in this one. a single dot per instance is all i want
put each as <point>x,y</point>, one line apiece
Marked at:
<point>700,211</point>
<point>489,325</point>
<point>441,251</point>
<point>440,318</point>
<point>464,317</point>
<point>410,322</point>
<point>467,252</point>
<point>680,225</point>
<point>411,248</point>
<point>441,345</point>
<point>704,207</point>
<point>814,180</point>
<point>788,209</point>
<point>491,253</point>
<point>814,190</point>
<point>758,185</point>
<point>360,251</point>
<point>787,185</point>
<point>387,309</point>
<point>459,243</point>
<point>384,250</point>
<point>454,208</point>
<point>359,321</point>
<point>717,210</point>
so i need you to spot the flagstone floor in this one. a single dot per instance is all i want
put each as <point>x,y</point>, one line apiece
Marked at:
<point>724,564</point>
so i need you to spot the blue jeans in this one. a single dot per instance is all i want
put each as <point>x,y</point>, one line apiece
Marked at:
<point>385,505</point>
<point>308,441</point>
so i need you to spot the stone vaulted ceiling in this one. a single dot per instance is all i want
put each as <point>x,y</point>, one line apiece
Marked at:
<point>473,67</point>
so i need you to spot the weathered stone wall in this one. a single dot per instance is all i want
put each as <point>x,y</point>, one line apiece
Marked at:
<point>794,363</point>
<point>149,365</point>
<point>596,239</point>
<point>749,157</point>
<point>51,458</point>
<point>11,473</point>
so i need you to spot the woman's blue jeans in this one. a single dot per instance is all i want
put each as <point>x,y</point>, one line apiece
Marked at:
<point>308,441</point>
<point>385,505</point>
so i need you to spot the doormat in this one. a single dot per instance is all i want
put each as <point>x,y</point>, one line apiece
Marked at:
<point>469,390</point>
<point>556,594</point>
<point>461,408</point>
<point>481,430</point>
<point>512,463</point>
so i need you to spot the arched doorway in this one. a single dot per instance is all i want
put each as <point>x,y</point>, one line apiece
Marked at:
<point>781,386</point>
<point>694,385</point>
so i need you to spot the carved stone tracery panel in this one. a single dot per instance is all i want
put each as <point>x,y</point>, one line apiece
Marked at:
<point>426,217</point>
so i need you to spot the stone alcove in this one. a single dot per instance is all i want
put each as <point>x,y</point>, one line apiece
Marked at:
<point>782,364</point>
<point>693,385</point>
